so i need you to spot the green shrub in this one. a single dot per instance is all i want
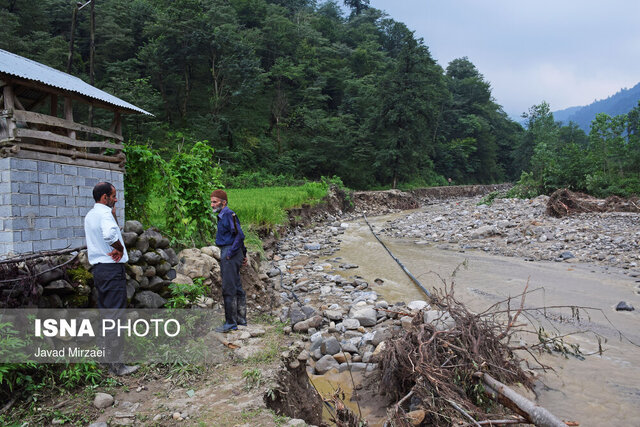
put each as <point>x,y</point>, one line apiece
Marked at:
<point>184,295</point>
<point>526,188</point>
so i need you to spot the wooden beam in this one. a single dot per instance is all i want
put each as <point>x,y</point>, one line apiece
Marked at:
<point>34,155</point>
<point>18,103</point>
<point>37,102</point>
<point>7,91</point>
<point>70,153</point>
<point>50,136</point>
<point>43,119</point>
<point>68,115</point>
<point>118,118</point>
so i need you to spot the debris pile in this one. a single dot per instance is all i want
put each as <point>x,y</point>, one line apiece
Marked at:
<point>564,202</point>
<point>437,363</point>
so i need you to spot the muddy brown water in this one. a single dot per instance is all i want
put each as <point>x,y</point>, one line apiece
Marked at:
<point>598,391</point>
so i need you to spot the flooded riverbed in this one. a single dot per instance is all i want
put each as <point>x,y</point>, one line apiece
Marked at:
<point>600,390</point>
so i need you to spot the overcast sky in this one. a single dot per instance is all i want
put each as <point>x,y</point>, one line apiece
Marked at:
<point>565,52</point>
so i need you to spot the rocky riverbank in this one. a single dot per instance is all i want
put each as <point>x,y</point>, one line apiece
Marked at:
<point>522,228</point>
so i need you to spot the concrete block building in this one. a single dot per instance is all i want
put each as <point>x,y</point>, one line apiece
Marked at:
<point>50,164</point>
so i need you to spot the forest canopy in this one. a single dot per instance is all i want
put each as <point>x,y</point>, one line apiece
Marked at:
<point>295,89</point>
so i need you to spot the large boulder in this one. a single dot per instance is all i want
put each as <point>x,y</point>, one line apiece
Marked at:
<point>212,251</point>
<point>366,315</point>
<point>154,238</point>
<point>326,363</point>
<point>152,258</point>
<point>58,287</point>
<point>136,272</point>
<point>172,258</point>
<point>129,239</point>
<point>46,273</point>
<point>182,279</point>
<point>163,268</point>
<point>193,263</point>
<point>133,227</point>
<point>134,255</point>
<point>149,299</point>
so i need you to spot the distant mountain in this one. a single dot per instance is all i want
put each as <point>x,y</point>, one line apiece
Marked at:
<point>620,103</point>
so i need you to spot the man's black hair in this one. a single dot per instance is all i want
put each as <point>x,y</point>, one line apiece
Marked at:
<point>102,188</point>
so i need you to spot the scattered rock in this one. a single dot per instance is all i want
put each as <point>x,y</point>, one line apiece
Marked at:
<point>102,400</point>
<point>624,306</point>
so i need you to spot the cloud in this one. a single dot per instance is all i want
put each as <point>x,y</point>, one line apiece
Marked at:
<point>567,52</point>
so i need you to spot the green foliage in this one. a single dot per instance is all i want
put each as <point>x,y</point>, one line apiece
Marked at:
<point>248,179</point>
<point>76,374</point>
<point>489,198</point>
<point>184,295</point>
<point>80,275</point>
<point>252,378</point>
<point>283,90</point>
<point>526,188</point>
<point>173,195</point>
<point>604,163</point>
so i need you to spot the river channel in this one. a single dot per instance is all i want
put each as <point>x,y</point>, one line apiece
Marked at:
<point>601,390</point>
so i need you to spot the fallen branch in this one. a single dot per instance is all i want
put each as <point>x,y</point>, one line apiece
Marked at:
<point>498,422</point>
<point>462,411</point>
<point>41,255</point>
<point>532,412</point>
<point>41,272</point>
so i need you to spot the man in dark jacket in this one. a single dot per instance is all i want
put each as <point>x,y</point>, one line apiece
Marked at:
<point>230,240</point>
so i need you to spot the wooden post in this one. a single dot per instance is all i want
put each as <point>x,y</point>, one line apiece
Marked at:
<point>54,105</point>
<point>68,115</point>
<point>9,105</point>
<point>117,118</point>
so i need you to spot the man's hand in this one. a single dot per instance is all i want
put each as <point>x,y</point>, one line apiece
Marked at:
<point>245,261</point>
<point>115,255</point>
<point>117,252</point>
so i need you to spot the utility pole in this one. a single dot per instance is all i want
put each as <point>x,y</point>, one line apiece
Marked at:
<point>74,19</point>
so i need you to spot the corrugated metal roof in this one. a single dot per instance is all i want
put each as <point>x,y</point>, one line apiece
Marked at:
<point>19,66</point>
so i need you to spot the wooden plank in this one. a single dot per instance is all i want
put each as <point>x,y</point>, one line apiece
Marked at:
<point>68,115</point>
<point>50,136</point>
<point>7,91</point>
<point>34,155</point>
<point>71,153</point>
<point>43,119</point>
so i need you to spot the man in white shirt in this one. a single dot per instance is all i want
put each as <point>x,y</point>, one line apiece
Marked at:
<point>107,254</point>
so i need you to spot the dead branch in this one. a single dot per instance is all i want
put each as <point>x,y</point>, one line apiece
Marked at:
<point>533,413</point>
<point>463,412</point>
<point>513,320</point>
<point>41,255</point>
<point>499,422</point>
<point>41,272</point>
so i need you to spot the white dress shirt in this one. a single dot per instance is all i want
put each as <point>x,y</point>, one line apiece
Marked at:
<point>101,230</point>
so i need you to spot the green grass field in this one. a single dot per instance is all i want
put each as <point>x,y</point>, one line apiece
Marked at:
<point>266,207</point>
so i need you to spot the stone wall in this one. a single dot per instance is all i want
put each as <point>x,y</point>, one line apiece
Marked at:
<point>43,204</point>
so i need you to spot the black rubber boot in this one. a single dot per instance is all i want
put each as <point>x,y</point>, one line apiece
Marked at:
<point>231,311</point>
<point>241,315</point>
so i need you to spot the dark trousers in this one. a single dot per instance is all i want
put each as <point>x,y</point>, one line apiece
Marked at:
<point>111,283</point>
<point>235,302</point>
